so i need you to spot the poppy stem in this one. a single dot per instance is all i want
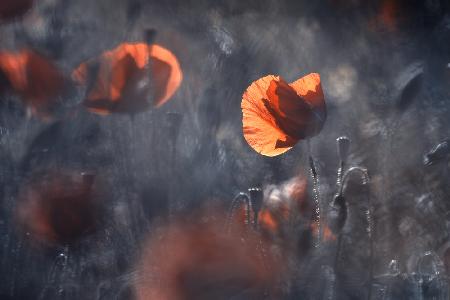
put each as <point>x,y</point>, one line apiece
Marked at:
<point>343,147</point>
<point>316,194</point>
<point>149,36</point>
<point>365,181</point>
<point>339,203</point>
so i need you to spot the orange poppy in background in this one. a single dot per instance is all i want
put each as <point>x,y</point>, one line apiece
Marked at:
<point>276,115</point>
<point>10,9</point>
<point>129,79</point>
<point>34,78</point>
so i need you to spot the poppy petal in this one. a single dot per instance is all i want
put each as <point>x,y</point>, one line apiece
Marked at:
<point>292,113</point>
<point>131,78</point>
<point>310,89</point>
<point>161,55</point>
<point>259,126</point>
<point>33,77</point>
<point>276,115</point>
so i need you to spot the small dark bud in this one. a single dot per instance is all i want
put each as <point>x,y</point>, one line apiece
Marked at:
<point>256,197</point>
<point>343,147</point>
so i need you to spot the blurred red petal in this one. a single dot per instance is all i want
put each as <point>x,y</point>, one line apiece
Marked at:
<point>201,261</point>
<point>33,77</point>
<point>57,207</point>
<point>130,78</point>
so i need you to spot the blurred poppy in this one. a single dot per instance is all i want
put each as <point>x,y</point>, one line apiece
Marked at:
<point>34,78</point>
<point>388,14</point>
<point>282,204</point>
<point>129,79</point>
<point>393,15</point>
<point>200,261</point>
<point>285,218</point>
<point>328,235</point>
<point>10,9</point>
<point>57,207</point>
<point>276,115</point>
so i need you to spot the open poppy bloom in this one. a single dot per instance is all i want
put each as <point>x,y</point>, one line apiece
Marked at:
<point>10,9</point>
<point>34,78</point>
<point>276,115</point>
<point>129,79</point>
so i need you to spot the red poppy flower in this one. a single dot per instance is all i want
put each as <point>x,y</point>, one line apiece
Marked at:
<point>57,207</point>
<point>130,78</point>
<point>283,204</point>
<point>34,78</point>
<point>201,261</point>
<point>276,115</point>
<point>10,9</point>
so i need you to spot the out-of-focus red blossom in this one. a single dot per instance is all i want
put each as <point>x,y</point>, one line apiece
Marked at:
<point>57,207</point>
<point>202,261</point>
<point>328,235</point>
<point>276,115</point>
<point>282,204</point>
<point>34,78</point>
<point>11,9</point>
<point>388,14</point>
<point>130,78</point>
<point>391,14</point>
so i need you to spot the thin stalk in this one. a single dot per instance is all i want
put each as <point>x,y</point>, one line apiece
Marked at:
<point>343,146</point>
<point>365,178</point>
<point>316,195</point>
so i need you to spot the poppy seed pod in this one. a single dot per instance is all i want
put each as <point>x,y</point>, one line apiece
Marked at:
<point>256,197</point>
<point>343,147</point>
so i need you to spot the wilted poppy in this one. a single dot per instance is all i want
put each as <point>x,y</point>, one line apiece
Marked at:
<point>129,79</point>
<point>34,78</point>
<point>10,9</point>
<point>57,207</point>
<point>201,261</point>
<point>276,115</point>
